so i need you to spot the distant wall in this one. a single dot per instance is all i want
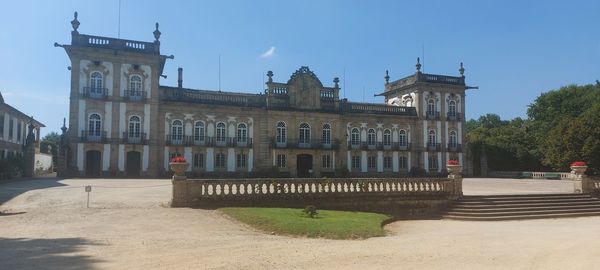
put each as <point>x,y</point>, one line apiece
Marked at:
<point>43,163</point>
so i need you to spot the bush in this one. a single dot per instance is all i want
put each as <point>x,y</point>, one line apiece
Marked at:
<point>310,211</point>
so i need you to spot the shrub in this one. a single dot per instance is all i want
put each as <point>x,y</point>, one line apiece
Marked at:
<point>310,211</point>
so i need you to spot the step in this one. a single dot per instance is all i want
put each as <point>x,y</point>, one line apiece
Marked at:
<point>526,208</point>
<point>522,217</point>
<point>519,205</point>
<point>529,201</point>
<point>525,197</point>
<point>524,212</point>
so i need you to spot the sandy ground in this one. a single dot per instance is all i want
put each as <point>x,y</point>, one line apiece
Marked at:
<point>45,225</point>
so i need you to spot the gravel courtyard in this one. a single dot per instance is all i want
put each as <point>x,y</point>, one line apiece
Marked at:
<point>44,224</point>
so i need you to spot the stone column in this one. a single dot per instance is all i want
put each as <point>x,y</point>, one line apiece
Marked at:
<point>456,181</point>
<point>180,185</point>
<point>582,182</point>
<point>30,151</point>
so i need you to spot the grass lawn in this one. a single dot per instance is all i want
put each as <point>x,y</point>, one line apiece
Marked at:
<point>327,224</point>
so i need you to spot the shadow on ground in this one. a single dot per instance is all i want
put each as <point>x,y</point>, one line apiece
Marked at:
<point>14,188</point>
<point>57,253</point>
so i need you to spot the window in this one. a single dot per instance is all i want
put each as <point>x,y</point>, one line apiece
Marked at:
<point>387,162</point>
<point>387,137</point>
<point>402,139</point>
<point>280,132</point>
<point>281,161</point>
<point>452,108</point>
<point>304,133</point>
<point>96,81</point>
<point>241,161</point>
<point>355,162</point>
<point>134,127</point>
<point>452,141</point>
<point>326,161</point>
<point>402,162</point>
<point>94,125</point>
<point>198,161</point>
<point>199,131</point>
<point>432,138</point>
<point>135,84</point>
<point>1,125</point>
<point>2,154</point>
<point>371,137</point>
<point>220,160</point>
<point>433,163</point>
<point>431,106</point>
<point>177,131</point>
<point>19,128</point>
<point>242,133</point>
<point>326,136</point>
<point>355,136</point>
<point>372,162</point>
<point>11,128</point>
<point>221,132</point>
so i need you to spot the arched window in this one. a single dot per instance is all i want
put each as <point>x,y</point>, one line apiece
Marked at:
<point>96,80</point>
<point>452,108</point>
<point>135,87</point>
<point>199,131</point>
<point>95,125</point>
<point>402,138</point>
<point>371,137</point>
<point>387,137</point>
<point>431,107</point>
<point>304,135</point>
<point>355,136</point>
<point>242,133</point>
<point>326,136</point>
<point>432,140</point>
<point>177,131</point>
<point>452,140</point>
<point>281,136</point>
<point>221,132</point>
<point>134,127</point>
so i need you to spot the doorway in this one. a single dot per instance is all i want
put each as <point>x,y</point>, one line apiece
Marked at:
<point>93,161</point>
<point>133,164</point>
<point>304,165</point>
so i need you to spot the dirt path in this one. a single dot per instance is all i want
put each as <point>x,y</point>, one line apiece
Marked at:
<point>127,227</point>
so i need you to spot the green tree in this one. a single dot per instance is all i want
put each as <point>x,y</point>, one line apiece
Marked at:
<point>51,140</point>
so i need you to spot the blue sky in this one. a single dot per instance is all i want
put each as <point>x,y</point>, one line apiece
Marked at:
<point>512,50</point>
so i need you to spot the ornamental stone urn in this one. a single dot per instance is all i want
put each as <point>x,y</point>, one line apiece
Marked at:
<point>453,169</point>
<point>578,170</point>
<point>179,169</point>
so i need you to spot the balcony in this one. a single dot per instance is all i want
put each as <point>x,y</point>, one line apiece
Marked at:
<point>432,147</point>
<point>454,147</point>
<point>453,116</point>
<point>311,144</point>
<point>134,138</point>
<point>430,115</point>
<point>209,141</point>
<point>401,146</point>
<point>95,136</point>
<point>95,93</point>
<point>135,95</point>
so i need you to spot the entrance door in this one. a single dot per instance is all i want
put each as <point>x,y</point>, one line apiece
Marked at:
<point>133,164</point>
<point>93,161</point>
<point>304,165</point>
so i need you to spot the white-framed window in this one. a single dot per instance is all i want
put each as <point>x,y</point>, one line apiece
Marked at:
<point>281,133</point>
<point>402,138</point>
<point>326,135</point>
<point>221,132</point>
<point>371,137</point>
<point>11,127</point>
<point>135,126</point>
<point>387,162</point>
<point>199,132</point>
<point>433,162</point>
<point>372,162</point>
<point>402,162</point>
<point>242,133</point>
<point>326,161</point>
<point>355,162</point>
<point>220,160</point>
<point>198,160</point>
<point>19,128</point>
<point>177,130</point>
<point>432,139</point>
<point>387,137</point>
<point>1,125</point>
<point>452,139</point>
<point>452,108</point>
<point>241,160</point>
<point>94,125</point>
<point>135,83</point>
<point>281,161</point>
<point>304,135</point>
<point>355,136</point>
<point>431,106</point>
<point>96,80</point>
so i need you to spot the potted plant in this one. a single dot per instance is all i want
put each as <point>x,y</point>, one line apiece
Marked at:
<point>578,167</point>
<point>453,166</point>
<point>179,165</point>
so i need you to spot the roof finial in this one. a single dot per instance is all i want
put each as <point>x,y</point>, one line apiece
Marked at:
<point>418,65</point>
<point>75,23</point>
<point>461,70</point>
<point>156,33</point>
<point>387,77</point>
<point>270,75</point>
<point>1,99</point>
<point>64,126</point>
<point>336,81</point>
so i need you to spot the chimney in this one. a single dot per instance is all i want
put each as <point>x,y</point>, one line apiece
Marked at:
<point>180,77</point>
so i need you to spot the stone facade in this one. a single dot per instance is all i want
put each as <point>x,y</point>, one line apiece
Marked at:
<point>13,131</point>
<point>123,122</point>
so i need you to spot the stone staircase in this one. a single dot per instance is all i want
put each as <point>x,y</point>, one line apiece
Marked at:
<point>515,207</point>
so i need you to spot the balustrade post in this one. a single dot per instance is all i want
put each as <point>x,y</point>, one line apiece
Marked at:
<point>456,180</point>
<point>583,183</point>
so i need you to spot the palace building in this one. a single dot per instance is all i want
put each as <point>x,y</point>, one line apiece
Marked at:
<point>123,122</point>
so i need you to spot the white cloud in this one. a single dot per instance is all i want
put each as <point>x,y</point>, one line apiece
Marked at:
<point>269,53</point>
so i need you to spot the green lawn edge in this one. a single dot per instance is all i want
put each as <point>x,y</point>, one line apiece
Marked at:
<point>328,224</point>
